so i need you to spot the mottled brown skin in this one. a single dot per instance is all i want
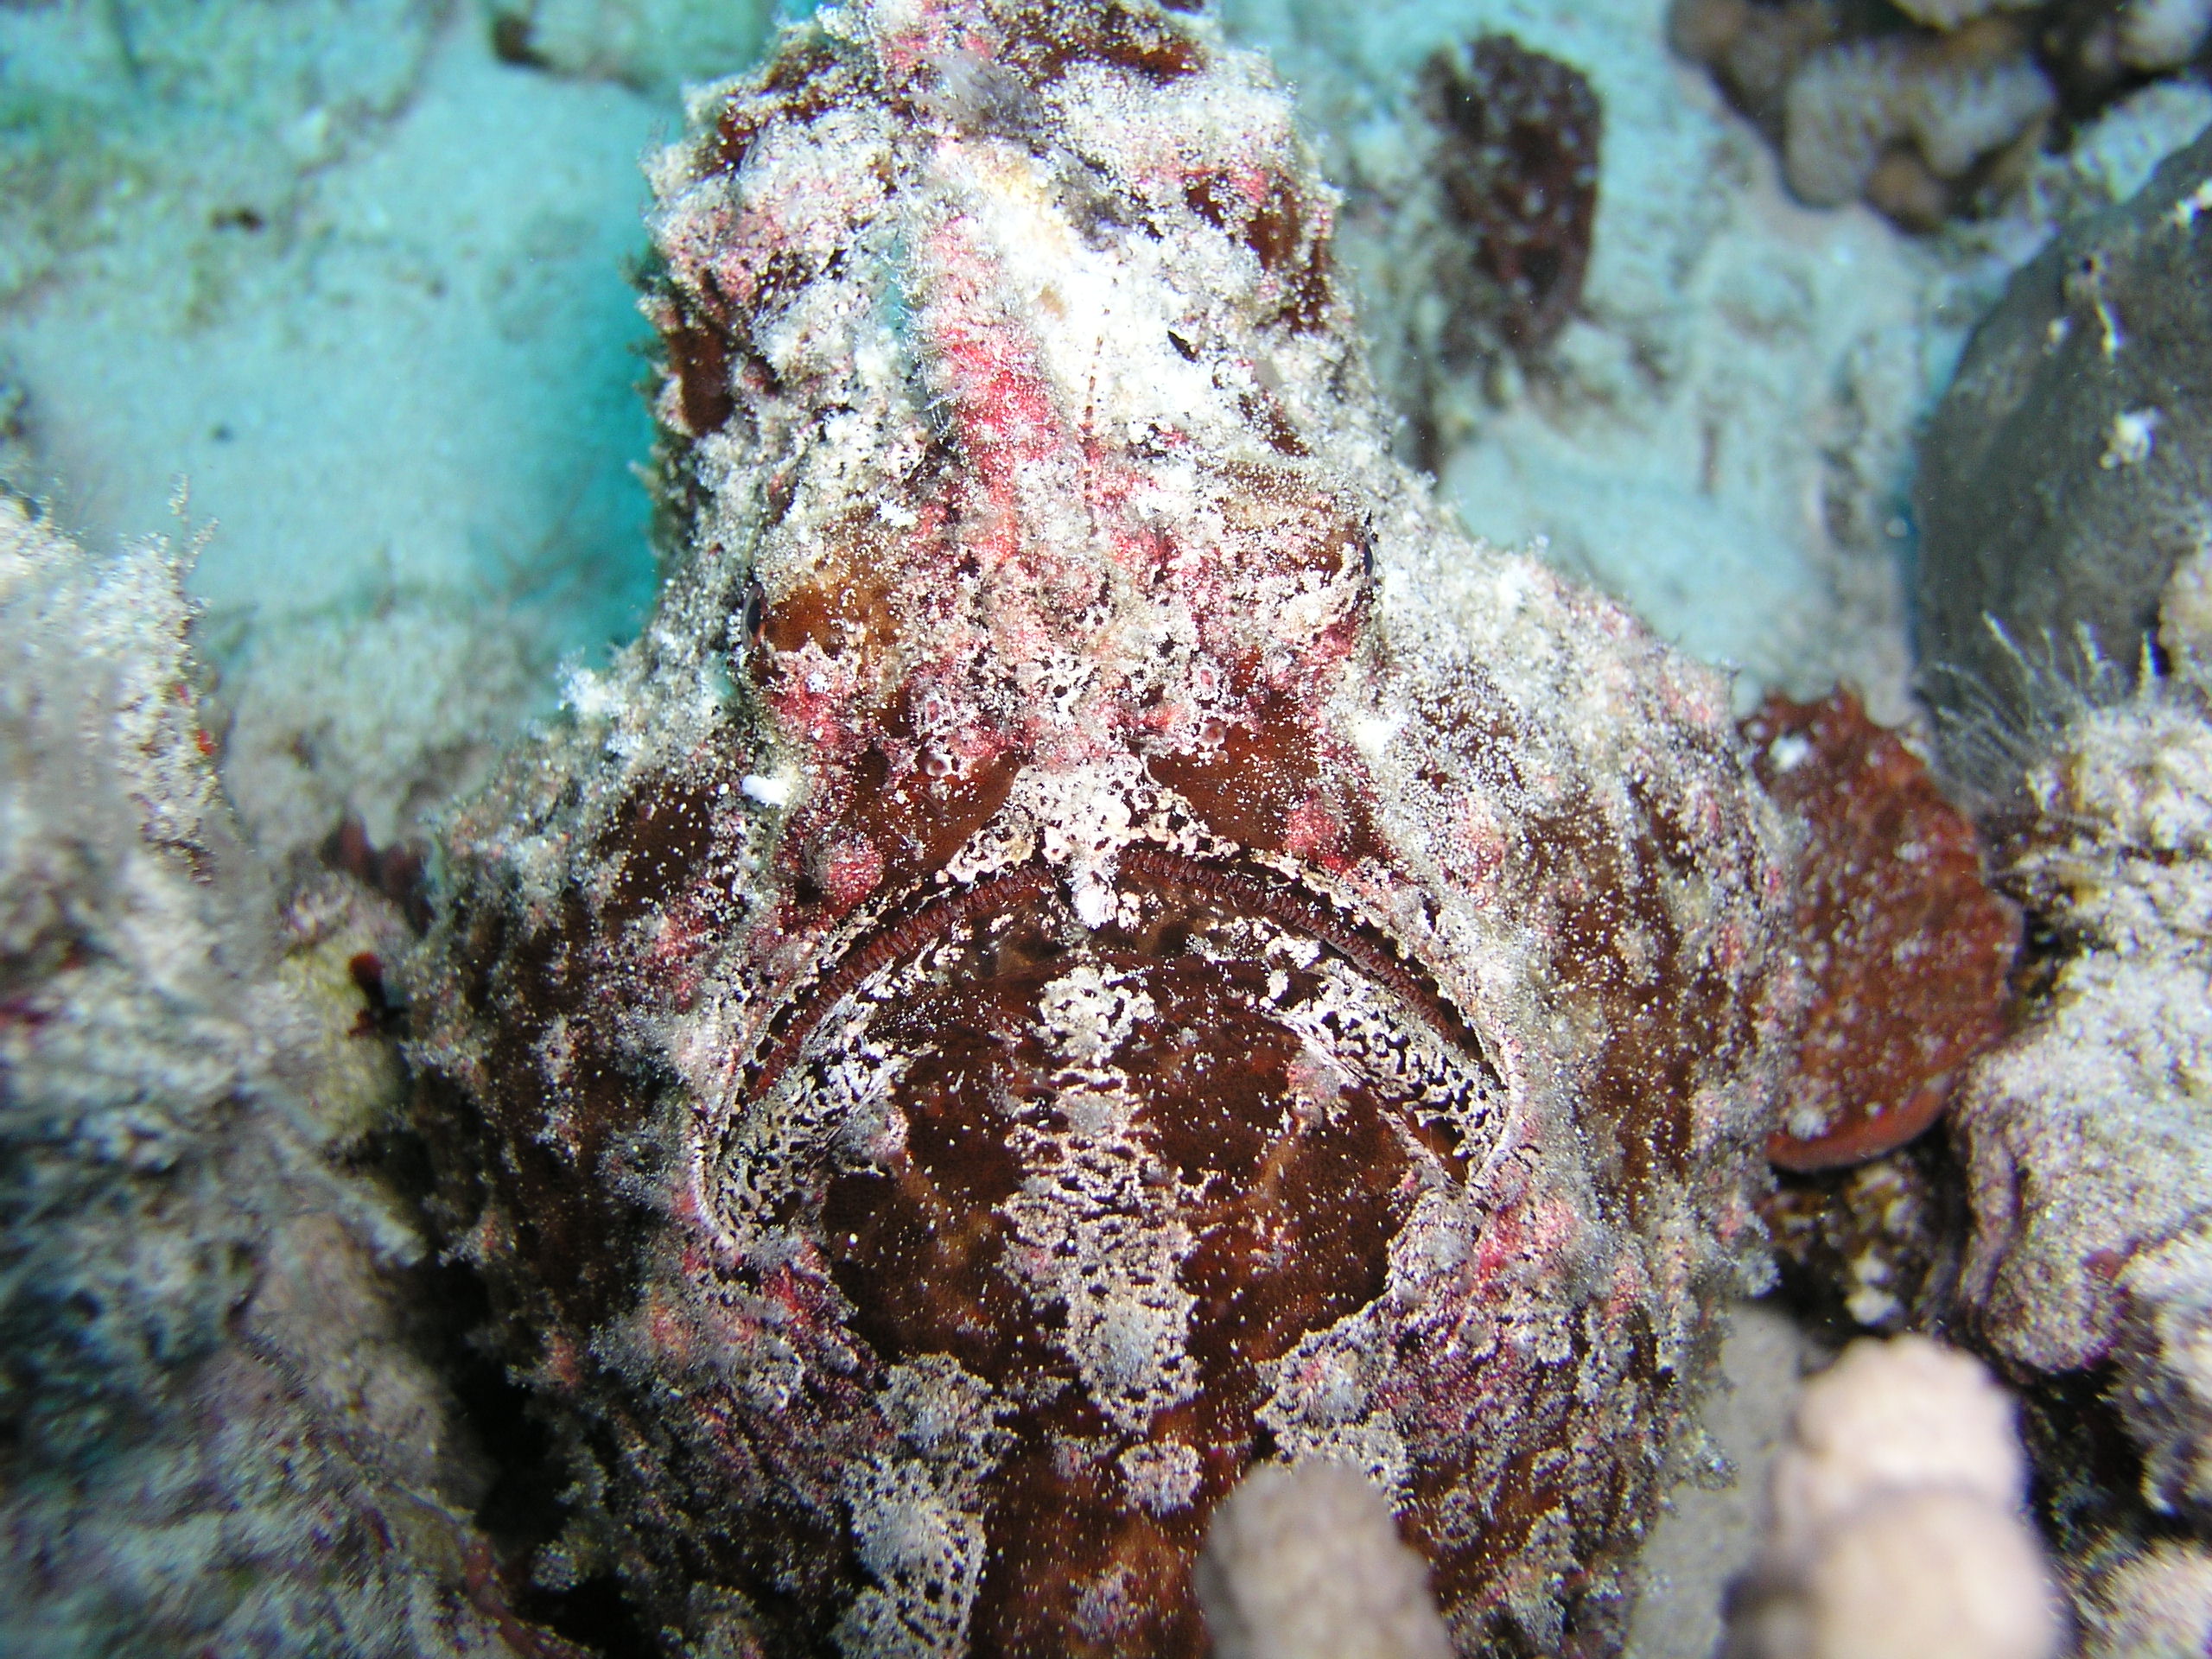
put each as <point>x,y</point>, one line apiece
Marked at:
<point>1909,951</point>
<point>1294,1232</point>
<point>1038,992</point>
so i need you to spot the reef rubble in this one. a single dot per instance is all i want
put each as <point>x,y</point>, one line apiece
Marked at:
<point>1929,111</point>
<point>222,1427</point>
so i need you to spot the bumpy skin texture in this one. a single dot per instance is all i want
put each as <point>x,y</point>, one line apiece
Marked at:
<point>1094,939</point>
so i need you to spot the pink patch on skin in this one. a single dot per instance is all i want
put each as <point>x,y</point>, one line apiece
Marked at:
<point>1314,832</point>
<point>850,871</point>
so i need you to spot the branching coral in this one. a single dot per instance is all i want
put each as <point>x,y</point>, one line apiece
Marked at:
<point>1927,121</point>
<point>1898,1528</point>
<point>1904,122</point>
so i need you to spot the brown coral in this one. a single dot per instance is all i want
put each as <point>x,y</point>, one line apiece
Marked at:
<point>1907,949</point>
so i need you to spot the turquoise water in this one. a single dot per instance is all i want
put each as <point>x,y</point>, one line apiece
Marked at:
<point>360,285</point>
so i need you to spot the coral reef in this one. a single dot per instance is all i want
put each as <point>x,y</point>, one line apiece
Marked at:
<point>1305,1563</point>
<point>2065,474</point>
<point>2157,1605</point>
<point>1920,123</point>
<point>1094,939</point>
<point>2062,496</point>
<point>2085,1136</point>
<point>1874,1247</point>
<point>1938,112</point>
<point>219,1430</point>
<point>1718,433</point>
<point>435,690</point>
<point>1898,1528</point>
<point>1909,950</point>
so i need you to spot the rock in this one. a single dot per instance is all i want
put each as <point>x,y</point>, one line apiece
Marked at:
<point>2088,1138</point>
<point>2157,1605</point>
<point>2063,476</point>
<point>2087,1135</point>
<point>222,1434</point>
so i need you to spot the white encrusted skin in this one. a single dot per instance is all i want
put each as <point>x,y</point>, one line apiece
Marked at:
<point>1054,639</point>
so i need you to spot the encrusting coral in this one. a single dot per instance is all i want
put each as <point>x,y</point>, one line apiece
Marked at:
<point>2085,1136</point>
<point>1094,939</point>
<point>2085,1133</point>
